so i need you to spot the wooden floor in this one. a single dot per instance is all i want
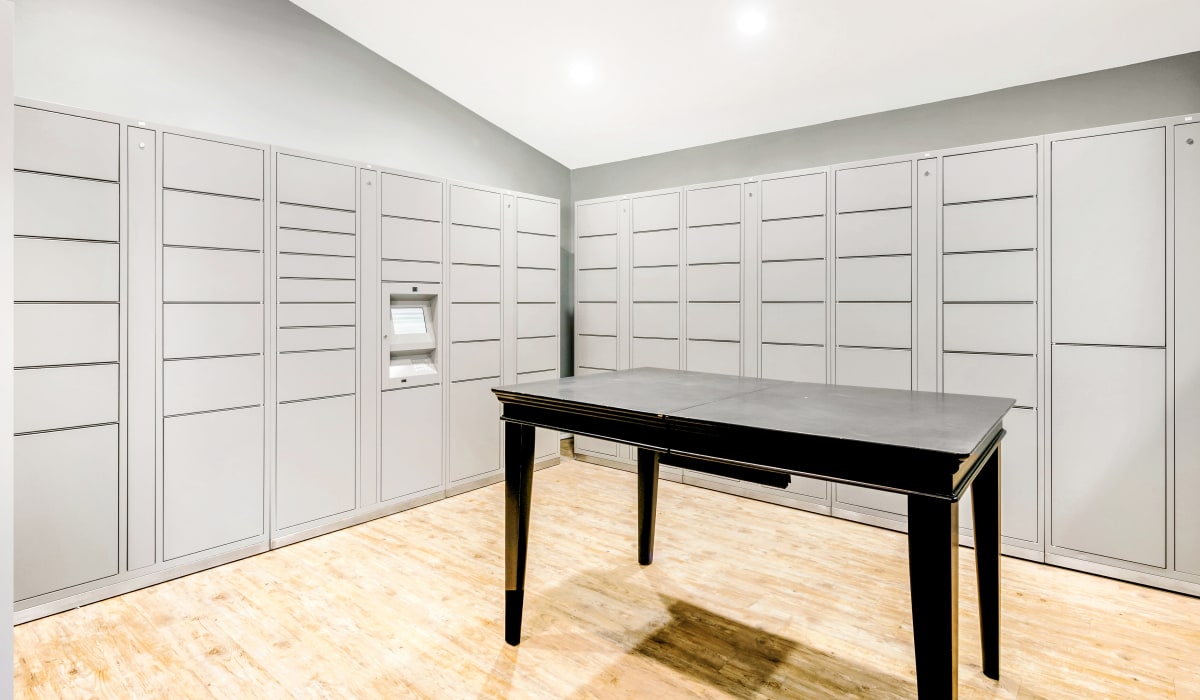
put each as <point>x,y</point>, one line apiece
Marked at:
<point>744,600</point>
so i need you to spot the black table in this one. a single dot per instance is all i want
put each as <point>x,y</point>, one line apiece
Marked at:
<point>929,446</point>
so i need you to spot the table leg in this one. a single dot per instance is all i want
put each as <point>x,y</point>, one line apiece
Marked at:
<point>933,579</point>
<point>647,503</point>
<point>518,485</point>
<point>985,498</point>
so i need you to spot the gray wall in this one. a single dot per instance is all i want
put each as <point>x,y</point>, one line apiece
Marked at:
<point>6,357</point>
<point>1161,88</point>
<point>265,70</point>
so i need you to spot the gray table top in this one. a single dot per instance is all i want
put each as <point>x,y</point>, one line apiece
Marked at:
<point>948,423</point>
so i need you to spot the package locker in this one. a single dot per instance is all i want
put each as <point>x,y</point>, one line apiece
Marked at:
<point>1108,257</point>
<point>793,243</point>
<point>596,301</point>
<point>990,293</point>
<point>713,254</point>
<point>475,363</point>
<point>536,305</point>
<point>656,240</point>
<point>68,281</point>
<point>316,341</point>
<point>411,433</point>
<point>212,383</point>
<point>873,242</point>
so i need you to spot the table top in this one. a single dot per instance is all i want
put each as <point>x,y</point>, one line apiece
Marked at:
<point>951,424</point>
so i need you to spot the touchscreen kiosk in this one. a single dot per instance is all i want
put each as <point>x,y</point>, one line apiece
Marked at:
<point>410,336</point>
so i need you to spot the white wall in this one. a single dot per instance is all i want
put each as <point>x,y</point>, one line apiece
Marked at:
<point>265,70</point>
<point>6,357</point>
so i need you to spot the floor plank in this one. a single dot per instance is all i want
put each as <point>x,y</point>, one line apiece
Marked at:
<point>744,600</point>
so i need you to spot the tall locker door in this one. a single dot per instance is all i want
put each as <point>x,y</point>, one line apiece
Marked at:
<point>990,261</point>
<point>1187,348</point>
<point>597,227</point>
<point>1108,469</point>
<point>873,322</point>
<point>1109,452</point>
<point>655,280</point>
<point>411,420</point>
<point>536,303</point>
<point>713,245</point>
<point>1108,238</point>
<point>316,340</point>
<point>213,370</point>
<point>475,293</point>
<point>68,283</point>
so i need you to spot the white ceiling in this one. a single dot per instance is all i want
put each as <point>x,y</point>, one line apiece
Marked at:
<point>671,74</point>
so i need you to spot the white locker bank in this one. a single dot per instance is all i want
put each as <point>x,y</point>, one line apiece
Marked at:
<point>223,347</point>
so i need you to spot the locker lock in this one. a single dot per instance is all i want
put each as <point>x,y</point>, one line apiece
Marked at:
<point>142,145</point>
<point>926,173</point>
<point>1191,141</point>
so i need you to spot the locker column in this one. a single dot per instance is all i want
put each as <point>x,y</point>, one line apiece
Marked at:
<point>476,323</point>
<point>596,303</point>
<point>990,310</point>
<point>316,446</point>
<point>67,284</point>
<point>792,244</point>
<point>714,280</point>
<point>213,371</point>
<point>536,303</point>
<point>873,239</point>
<point>655,287</point>
<point>411,417</point>
<point>793,239</point>
<point>1108,257</point>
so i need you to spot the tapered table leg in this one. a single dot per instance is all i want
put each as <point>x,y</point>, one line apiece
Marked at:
<point>985,500</point>
<point>647,503</point>
<point>933,578</point>
<point>518,485</point>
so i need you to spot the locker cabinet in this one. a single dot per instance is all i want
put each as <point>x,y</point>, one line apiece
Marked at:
<point>475,441</point>
<point>65,144</point>
<point>201,165</point>
<point>56,270</point>
<point>48,398</point>
<point>411,197</point>
<point>65,510</point>
<point>212,480</point>
<point>1108,238</point>
<point>411,441</point>
<point>49,206</point>
<point>314,218</point>
<point>601,232</point>
<point>545,441</point>
<point>191,386</point>
<point>38,334</point>
<point>408,239</point>
<point>192,219</point>
<point>316,242</point>
<point>315,464</point>
<point>1108,460</point>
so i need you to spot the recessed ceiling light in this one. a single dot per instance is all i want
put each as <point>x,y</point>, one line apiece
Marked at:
<point>582,73</point>
<point>751,22</point>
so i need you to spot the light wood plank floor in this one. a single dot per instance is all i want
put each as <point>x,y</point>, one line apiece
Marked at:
<point>744,600</point>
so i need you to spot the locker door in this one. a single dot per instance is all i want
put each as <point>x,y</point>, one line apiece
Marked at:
<point>1108,466</point>
<point>1108,239</point>
<point>411,457</point>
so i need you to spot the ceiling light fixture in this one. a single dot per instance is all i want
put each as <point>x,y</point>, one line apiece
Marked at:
<point>582,73</point>
<point>751,22</point>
